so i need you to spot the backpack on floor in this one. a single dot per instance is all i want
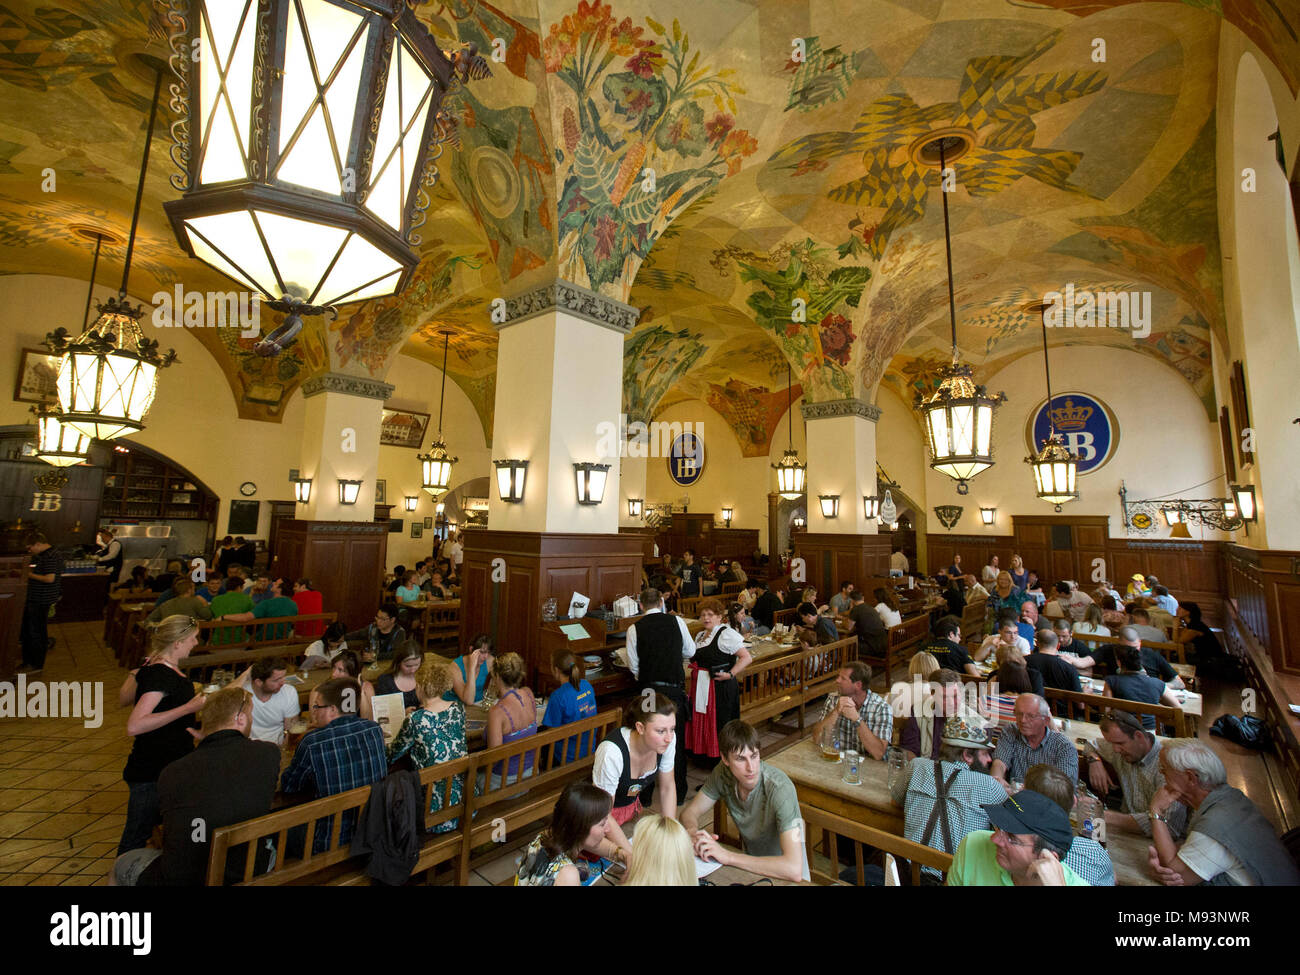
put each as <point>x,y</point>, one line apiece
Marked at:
<point>1245,730</point>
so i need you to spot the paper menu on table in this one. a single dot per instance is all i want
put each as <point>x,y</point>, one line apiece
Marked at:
<point>389,711</point>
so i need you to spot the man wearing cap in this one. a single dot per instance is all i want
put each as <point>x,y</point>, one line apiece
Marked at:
<point>1138,586</point>
<point>1033,740</point>
<point>1031,837</point>
<point>943,799</point>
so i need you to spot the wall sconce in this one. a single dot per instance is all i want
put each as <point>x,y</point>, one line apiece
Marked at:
<point>411,502</point>
<point>799,523</point>
<point>830,505</point>
<point>634,507</point>
<point>727,514</point>
<point>510,479</point>
<point>871,506</point>
<point>988,515</point>
<point>349,491</point>
<point>1245,496</point>
<point>591,480</point>
<point>302,489</point>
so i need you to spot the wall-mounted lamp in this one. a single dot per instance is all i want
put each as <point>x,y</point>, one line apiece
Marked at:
<point>591,480</point>
<point>988,515</point>
<point>510,479</point>
<point>1245,497</point>
<point>799,522</point>
<point>727,514</point>
<point>411,502</point>
<point>302,489</point>
<point>634,507</point>
<point>830,505</point>
<point>349,491</point>
<point>871,506</point>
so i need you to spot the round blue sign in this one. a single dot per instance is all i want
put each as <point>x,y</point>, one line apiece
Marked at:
<point>686,459</point>
<point>1085,423</point>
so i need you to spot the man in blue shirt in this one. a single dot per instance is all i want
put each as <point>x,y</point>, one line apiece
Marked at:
<point>343,751</point>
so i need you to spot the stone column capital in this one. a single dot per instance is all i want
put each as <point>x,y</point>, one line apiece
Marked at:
<point>575,300</point>
<point>840,407</point>
<point>336,382</point>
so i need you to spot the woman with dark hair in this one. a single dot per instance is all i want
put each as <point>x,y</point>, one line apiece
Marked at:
<point>638,758</point>
<point>954,595</point>
<point>740,621</point>
<point>331,643</point>
<point>469,677</point>
<point>400,679</point>
<point>887,607</point>
<point>1133,683</point>
<point>578,824</point>
<point>346,664</point>
<point>222,558</point>
<point>572,701</point>
<point>137,581</point>
<point>1194,630</point>
<point>1111,615</point>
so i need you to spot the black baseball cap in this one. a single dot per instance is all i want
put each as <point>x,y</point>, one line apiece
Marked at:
<point>1031,812</point>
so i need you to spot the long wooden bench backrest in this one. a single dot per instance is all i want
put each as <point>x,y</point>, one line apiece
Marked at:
<point>543,788</point>
<point>786,616</point>
<point>973,615</point>
<point>267,627</point>
<point>822,830</point>
<point>821,665</point>
<point>278,824</point>
<point>1161,712</point>
<point>1170,651</point>
<point>689,606</point>
<point>909,633</point>
<point>767,685</point>
<point>205,662</point>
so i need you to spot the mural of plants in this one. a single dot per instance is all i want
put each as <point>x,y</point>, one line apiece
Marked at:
<point>819,347</point>
<point>995,102</point>
<point>664,113</point>
<point>653,360</point>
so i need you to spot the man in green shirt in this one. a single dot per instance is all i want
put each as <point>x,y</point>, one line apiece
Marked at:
<point>184,603</point>
<point>233,603</point>
<point>274,605</point>
<point>763,803</point>
<point>1031,836</point>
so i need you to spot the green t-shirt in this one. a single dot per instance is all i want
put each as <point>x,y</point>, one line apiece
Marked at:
<point>195,606</point>
<point>975,864</point>
<point>230,604</point>
<point>275,606</point>
<point>771,809</point>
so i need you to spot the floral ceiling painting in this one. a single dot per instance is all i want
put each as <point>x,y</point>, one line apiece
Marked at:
<point>765,205</point>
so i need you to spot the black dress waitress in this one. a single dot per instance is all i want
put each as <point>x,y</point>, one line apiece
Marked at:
<point>726,693</point>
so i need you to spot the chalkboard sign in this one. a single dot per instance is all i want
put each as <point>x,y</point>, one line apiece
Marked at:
<point>243,517</point>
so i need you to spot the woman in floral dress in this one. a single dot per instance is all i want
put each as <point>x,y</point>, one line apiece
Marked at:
<point>434,732</point>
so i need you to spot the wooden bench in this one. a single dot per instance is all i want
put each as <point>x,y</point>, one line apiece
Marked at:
<point>973,616</point>
<point>903,641</point>
<point>200,663</point>
<point>1173,652</point>
<point>1161,712</point>
<point>480,816</point>
<point>730,589</point>
<point>689,606</point>
<point>791,681</point>
<point>785,616</point>
<point>823,830</point>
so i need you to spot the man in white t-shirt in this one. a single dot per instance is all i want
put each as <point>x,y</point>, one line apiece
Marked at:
<point>275,703</point>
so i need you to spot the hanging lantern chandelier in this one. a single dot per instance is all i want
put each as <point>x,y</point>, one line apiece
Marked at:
<point>958,415</point>
<point>435,466</point>
<point>307,141</point>
<point>1055,468</point>
<point>790,473</point>
<point>108,375</point>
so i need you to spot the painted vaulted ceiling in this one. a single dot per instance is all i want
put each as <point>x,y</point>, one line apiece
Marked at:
<point>716,165</point>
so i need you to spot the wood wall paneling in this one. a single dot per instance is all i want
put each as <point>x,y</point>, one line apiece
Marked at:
<point>13,595</point>
<point>344,560</point>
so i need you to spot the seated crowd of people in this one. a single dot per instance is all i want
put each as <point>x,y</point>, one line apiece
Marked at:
<point>994,787</point>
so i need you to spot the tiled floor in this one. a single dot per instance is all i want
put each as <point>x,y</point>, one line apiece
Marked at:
<point>63,801</point>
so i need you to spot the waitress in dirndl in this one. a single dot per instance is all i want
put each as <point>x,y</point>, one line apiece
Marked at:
<point>712,692</point>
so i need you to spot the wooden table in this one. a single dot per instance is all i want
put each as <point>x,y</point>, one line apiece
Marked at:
<point>820,783</point>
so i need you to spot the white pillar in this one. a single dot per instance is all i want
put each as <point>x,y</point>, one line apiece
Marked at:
<point>841,460</point>
<point>342,416</point>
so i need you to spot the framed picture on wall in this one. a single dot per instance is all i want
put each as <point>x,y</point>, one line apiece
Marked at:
<point>428,521</point>
<point>402,428</point>
<point>381,492</point>
<point>37,372</point>
<point>417,529</point>
<point>1225,435</point>
<point>243,517</point>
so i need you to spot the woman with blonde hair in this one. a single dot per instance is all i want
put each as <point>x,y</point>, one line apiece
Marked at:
<point>1019,577</point>
<point>434,732</point>
<point>662,854</point>
<point>922,665</point>
<point>517,710</point>
<point>165,705</point>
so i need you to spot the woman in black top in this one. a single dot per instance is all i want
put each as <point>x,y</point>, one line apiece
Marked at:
<point>165,704</point>
<point>400,679</point>
<point>1195,631</point>
<point>1133,683</point>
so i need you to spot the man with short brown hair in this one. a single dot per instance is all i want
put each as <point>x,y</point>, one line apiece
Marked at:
<point>863,720</point>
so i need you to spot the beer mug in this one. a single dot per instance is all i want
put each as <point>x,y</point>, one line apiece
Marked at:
<point>828,744</point>
<point>852,767</point>
<point>894,756</point>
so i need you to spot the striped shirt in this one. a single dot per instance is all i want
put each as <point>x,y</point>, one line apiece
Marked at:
<point>47,562</point>
<point>1055,749</point>
<point>875,712</point>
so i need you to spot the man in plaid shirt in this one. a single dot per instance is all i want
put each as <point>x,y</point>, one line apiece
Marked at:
<point>343,752</point>
<point>863,719</point>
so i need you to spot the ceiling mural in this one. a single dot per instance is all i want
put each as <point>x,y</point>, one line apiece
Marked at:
<point>698,166</point>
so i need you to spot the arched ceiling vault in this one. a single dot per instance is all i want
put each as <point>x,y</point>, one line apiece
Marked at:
<point>690,163</point>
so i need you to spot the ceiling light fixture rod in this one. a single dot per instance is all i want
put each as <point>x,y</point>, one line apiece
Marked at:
<point>442,396</point>
<point>139,190</point>
<point>90,292</point>
<point>947,243</point>
<point>789,401</point>
<point>1051,426</point>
